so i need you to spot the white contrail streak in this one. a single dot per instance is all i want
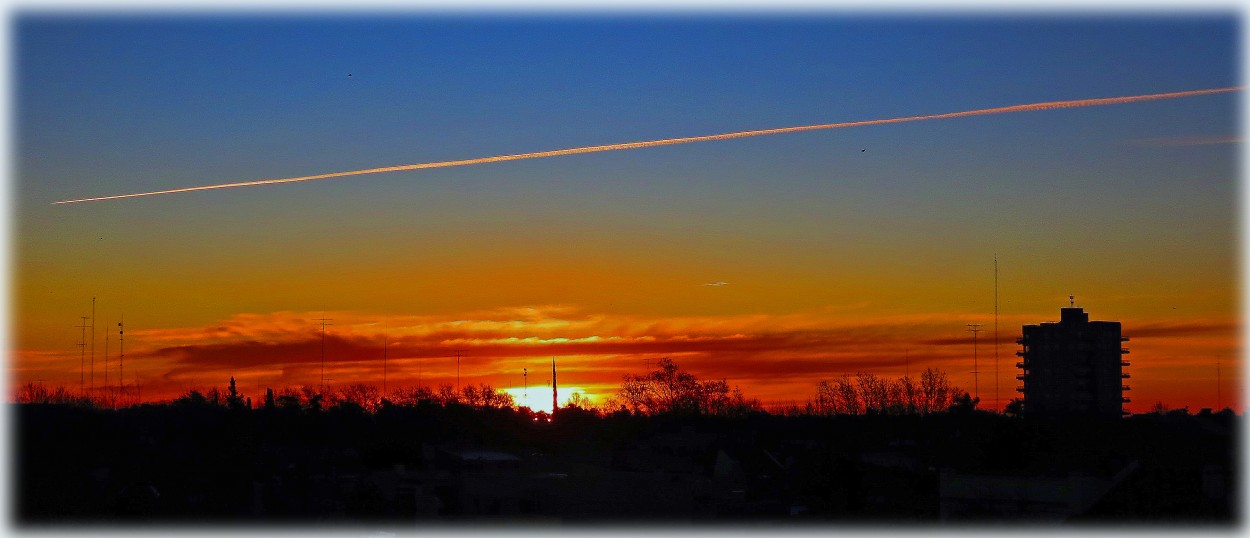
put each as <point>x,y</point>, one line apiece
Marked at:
<point>670,141</point>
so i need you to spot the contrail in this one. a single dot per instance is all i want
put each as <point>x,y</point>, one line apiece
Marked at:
<point>686,140</point>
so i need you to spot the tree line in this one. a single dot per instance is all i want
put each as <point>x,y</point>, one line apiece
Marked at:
<point>666,389</point>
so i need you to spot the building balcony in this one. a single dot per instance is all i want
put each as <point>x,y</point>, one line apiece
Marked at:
<point>1123,338</point>
<point>1019,389</point>
<point>1124,387</point>
<point>1124,376</point>
<point>1021,377</point>
<point>1123,363</point>
<point>1125,399</point>
<point>1021,365</point>
<point>1020,353</point>
<point>1124,351</point>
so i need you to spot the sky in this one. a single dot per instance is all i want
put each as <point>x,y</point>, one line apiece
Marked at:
<point>859,249</point>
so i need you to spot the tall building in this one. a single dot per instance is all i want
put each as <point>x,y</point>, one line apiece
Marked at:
<point>1074,367</point>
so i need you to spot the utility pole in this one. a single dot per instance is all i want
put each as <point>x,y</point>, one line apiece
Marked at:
<point>974,329</point>
<point>82,361</point>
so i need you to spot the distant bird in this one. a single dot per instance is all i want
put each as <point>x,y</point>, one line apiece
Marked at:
<point>862,150</point>
<point>349,74</point>
<point>721,283</point>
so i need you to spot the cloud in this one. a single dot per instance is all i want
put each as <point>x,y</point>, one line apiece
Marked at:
<point>719,283</point>
<point>770,356</point>
<point>1187,141</point>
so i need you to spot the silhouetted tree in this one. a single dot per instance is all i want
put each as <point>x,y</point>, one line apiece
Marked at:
<point>358,394</point>
<point>579,401</point>
<point>964,404</point>
<point>1014,408</point>
<point>39,393</point>
<point>847,397</point>
<point>233,400</point>
<point>471,396</point>
<point>192,398</point>
<point>447,394</point>
<point>289,398</point>
<point>867,393</point>
<point>493,398</point>
<point>312,398</point>
<point>668,389</point>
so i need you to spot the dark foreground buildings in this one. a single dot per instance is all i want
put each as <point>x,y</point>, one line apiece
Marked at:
<point>1073,368</point>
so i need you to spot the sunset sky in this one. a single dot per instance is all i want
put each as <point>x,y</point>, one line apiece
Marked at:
<point>858,249</point>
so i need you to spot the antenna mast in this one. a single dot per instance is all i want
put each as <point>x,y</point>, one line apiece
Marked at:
<point>82,361</point>
<point>384,362</point>
<point>554,405</point>
<point>976,382</point>
<point>323,321</point>
<point>121,359</point>
<point>997,402</point>
<point>106,361</point>
<point>93,345</point>
<point>458,352</point>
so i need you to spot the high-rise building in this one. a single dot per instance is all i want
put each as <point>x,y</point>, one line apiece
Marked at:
<point>1074,367</point>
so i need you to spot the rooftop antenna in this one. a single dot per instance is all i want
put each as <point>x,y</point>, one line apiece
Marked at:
<point>323,321</point>
<point>93,345</point>
<point>976,383</point>
<point>1071,301</point>
<point>82,361</point>
<point>997,402</point>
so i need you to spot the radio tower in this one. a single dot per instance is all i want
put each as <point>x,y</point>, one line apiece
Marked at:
<point>82,361</point>
<point>997,404</point>
<point>458,352</point>
<point>323,321</point>
<point>525,380</point>
<point>384,363</point>
<point>106,362</point>
<point>976,384</point>
<point>554,405</point>
<point>121,357</point>
<point>93,345</point>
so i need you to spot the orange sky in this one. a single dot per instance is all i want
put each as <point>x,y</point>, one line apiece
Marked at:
<point>773,357</point>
